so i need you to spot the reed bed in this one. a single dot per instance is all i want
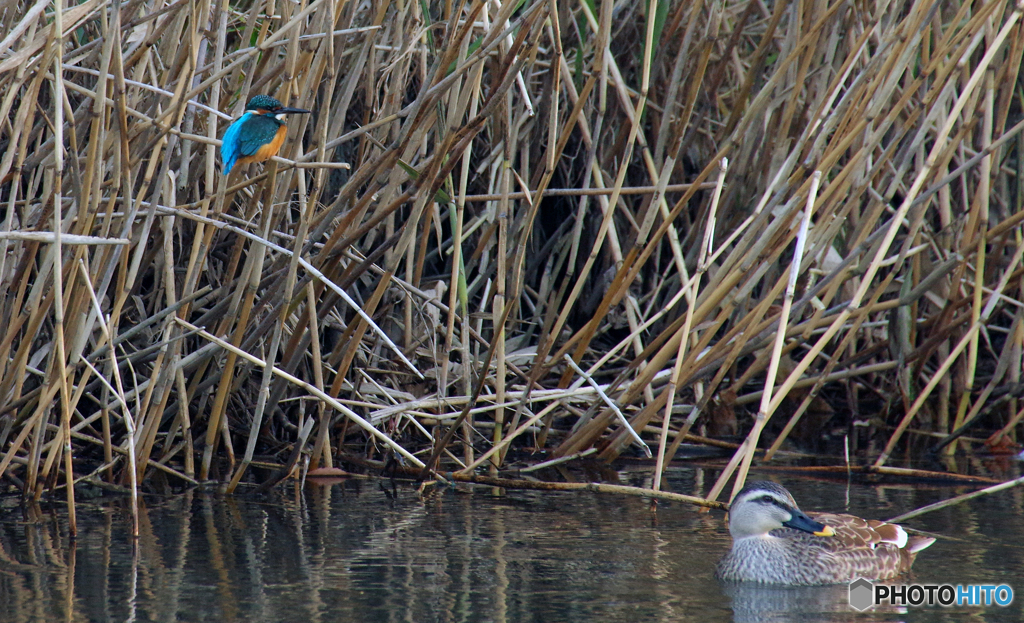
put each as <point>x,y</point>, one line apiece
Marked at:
<point>573,227</point>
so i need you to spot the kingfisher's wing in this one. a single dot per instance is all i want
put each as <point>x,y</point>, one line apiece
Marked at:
<point>229,144</point>
<point>258,131</point>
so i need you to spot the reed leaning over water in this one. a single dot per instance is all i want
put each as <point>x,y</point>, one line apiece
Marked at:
<point>527,181</point>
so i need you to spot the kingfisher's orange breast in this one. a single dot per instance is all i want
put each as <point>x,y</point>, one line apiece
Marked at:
<point>268,150</point>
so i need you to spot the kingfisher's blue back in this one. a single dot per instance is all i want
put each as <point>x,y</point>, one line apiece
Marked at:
<point>257,135</point>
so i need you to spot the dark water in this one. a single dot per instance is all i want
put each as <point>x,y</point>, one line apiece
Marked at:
<point>351,552</point>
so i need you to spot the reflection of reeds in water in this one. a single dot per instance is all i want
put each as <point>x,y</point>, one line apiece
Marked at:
<point>349,552</point>
<point>215,314</point>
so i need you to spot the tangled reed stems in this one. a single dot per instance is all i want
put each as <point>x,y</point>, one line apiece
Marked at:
<point>622,184</point>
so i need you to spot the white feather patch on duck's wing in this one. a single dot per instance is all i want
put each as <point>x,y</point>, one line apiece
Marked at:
<point>856,532</point>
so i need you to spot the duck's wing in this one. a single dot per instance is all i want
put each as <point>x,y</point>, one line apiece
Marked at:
<point>870,548</point>
<point>856,532</point>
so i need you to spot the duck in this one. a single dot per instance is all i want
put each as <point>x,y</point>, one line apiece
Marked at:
<point>774,542</point>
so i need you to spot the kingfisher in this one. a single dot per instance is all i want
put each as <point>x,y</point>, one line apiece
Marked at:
<point>258,134</point>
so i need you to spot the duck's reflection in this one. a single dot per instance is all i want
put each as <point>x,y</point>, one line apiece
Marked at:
<point>777,603</point>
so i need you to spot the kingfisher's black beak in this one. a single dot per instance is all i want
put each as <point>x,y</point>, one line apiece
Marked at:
<point>286,109</point>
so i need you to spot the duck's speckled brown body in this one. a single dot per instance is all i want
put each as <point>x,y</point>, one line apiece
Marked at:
<point>776,543</point>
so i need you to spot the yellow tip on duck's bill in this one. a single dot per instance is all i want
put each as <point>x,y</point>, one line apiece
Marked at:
<point>826,531</point>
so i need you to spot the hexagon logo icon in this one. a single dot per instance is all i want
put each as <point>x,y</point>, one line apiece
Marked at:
<point>860,594</point>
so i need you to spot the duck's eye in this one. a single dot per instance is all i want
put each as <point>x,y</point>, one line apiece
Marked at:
<point>767,499</point>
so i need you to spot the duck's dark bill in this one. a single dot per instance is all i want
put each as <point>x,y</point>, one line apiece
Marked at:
<point>801,521</point>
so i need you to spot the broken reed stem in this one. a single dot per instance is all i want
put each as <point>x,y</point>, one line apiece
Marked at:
<point>611,405</point>
<point>691,290</point>
<point>593,192</point>
<point>118,392</point>
<point>511,483</point>
<point>60,366</point>
<point>313,390</point>
<point>765,411</point>
<point>957,500</point>
<point>504,443</point>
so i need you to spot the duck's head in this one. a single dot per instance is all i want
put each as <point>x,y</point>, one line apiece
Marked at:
<point>764,506</point>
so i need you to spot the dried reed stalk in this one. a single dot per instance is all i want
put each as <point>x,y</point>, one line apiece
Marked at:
<point>524,182</point>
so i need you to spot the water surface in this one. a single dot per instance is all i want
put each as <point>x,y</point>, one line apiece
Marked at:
<point>364,551</point>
